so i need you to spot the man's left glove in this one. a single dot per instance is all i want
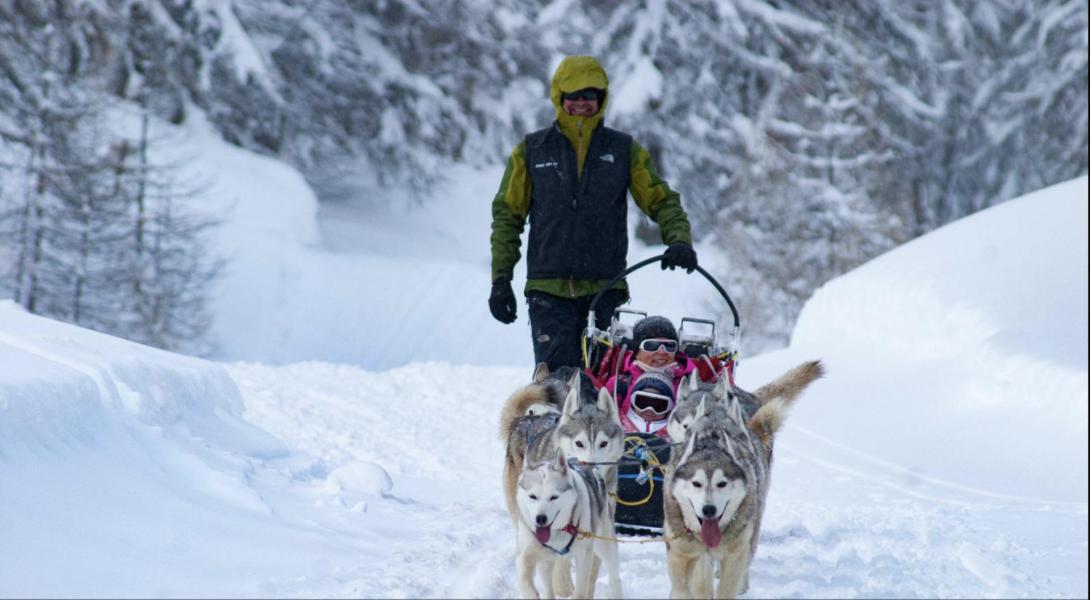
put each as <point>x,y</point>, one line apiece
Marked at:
<point>502,301</point>
<point>679,254</point>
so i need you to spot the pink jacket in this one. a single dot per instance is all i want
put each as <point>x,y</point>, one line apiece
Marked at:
<point>631,372</point>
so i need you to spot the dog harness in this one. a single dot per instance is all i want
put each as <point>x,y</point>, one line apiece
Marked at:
<point>572,530</point>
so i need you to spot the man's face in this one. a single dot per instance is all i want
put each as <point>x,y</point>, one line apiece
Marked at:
<point>583,103</point>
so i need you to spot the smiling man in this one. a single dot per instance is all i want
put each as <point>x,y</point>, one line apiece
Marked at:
<point>571,182</point>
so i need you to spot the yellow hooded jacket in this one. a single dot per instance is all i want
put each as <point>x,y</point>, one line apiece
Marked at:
<point>511,204</point>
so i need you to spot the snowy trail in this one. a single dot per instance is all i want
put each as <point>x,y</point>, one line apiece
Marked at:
<point>838,524</point>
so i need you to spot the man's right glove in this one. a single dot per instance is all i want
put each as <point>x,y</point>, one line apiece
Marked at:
<point>679,254</point>
<point>502,300</point>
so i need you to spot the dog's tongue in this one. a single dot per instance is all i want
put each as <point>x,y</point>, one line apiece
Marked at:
<point>710,533</point>
<point>543,534</point>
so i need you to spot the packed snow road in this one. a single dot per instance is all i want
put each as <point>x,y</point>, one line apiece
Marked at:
<point>412,458</point>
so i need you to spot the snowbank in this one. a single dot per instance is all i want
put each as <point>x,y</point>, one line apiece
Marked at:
<point>125,470</point>
<point>64,385</point>
<point>962,355</point>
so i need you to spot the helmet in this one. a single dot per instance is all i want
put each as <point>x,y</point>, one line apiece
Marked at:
<point>653,327</point>
<point>653,391</point>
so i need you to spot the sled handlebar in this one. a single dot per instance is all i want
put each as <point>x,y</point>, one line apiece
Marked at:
<point>654,259</point>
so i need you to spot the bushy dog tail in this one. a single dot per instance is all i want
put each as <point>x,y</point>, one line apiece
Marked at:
<point>777,397</point>
<point>519,405</point>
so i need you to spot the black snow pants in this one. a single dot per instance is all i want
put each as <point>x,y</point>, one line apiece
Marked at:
<point>557,324</point>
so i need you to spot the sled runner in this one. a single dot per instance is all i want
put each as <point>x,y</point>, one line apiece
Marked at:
<point>640,483</point>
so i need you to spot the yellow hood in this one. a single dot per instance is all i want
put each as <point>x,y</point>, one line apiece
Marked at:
<point>574,74</point>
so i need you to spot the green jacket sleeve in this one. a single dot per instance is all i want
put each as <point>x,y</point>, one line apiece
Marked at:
<point>509,210</point>
<point>656,199</point>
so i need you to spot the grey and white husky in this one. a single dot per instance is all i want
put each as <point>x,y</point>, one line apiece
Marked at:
<point>587,428</point>
<point>716,488</point>
<point>563,513</point>
<point>697,400</point>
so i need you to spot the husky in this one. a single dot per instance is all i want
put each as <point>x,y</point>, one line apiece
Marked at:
<point>697,400</point>
<point>716,488</point>
<point>564,509</point>
<point>584,428</point>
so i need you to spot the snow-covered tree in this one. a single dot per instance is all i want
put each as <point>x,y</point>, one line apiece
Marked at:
<point>95,233</point>
<point>806,136</point>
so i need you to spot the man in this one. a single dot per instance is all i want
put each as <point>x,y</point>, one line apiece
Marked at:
<point>571,182</point>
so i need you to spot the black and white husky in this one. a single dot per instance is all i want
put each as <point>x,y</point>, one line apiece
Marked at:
<point>716,487</point>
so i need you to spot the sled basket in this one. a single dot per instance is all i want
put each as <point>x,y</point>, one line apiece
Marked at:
<point>640,485</point>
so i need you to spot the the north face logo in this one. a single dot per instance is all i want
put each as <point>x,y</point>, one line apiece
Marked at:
<point>606,157</point>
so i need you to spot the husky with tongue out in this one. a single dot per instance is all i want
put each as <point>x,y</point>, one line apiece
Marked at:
<point>564,511</point>
<point>716,487</point>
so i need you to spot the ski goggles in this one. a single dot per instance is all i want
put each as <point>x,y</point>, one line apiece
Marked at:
<point>654,345</point>
<point>652,401</point>
<point>583,94</point>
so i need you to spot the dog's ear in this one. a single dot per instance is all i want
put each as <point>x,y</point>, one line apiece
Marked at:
<point>689,448</point>
<point>723,438</point>
<point>734,408</point>
<point>541,372</point>
<point>722,389</point>
<point>576,380</point>
<point>607,405</point>
<point>561,462</point>
<point>571,401</point>
<point>688,386</point>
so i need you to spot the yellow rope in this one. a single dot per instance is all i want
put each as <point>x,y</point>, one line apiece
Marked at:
<point>636,502</point>
<point>588,534</point>
<point>654,463</point>
<point>586,355</point>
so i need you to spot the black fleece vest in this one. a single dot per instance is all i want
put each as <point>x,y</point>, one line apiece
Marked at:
<point>578,227</point>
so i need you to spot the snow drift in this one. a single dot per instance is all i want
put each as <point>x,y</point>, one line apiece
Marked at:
<point>963,354</point>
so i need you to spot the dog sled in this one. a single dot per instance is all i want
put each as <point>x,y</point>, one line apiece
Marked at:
<point>640,484</point>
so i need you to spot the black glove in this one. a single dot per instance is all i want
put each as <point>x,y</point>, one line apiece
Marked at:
<point>679,254</point>
<point>502,300</point>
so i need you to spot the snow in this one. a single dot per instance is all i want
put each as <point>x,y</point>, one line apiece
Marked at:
<point>641,86</point>
<point>345,444</point>
<point>235,42</point>
<point>781,18</point>
<point>991,322</point>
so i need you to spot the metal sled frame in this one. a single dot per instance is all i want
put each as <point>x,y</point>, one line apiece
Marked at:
<point>593,335</point>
